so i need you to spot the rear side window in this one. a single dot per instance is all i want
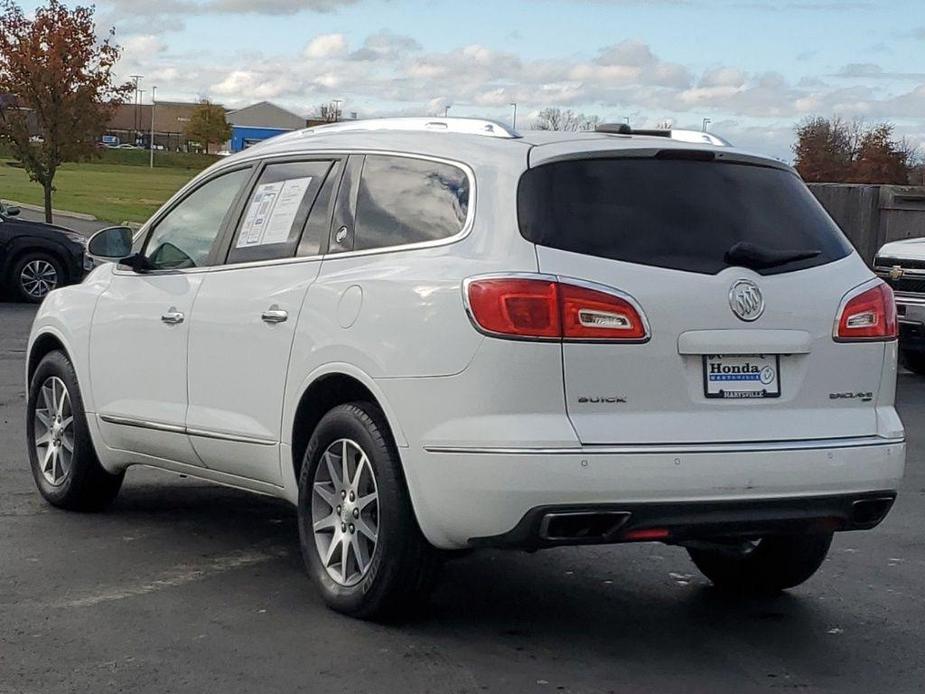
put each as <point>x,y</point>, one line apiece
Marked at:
<point>402,200</point>
<point>678,214</point>
<point>275,214</point>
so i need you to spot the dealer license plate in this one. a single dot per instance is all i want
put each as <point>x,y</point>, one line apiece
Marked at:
<point>741,376</point>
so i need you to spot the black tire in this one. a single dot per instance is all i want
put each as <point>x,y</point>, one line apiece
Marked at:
<point>86,486</point>
<point>403,565</point>
<point>775,564</point>
<point>25,292</point>
<point>914,361</point>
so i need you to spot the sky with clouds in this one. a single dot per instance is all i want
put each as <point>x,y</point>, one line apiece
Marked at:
<point>754,67</point>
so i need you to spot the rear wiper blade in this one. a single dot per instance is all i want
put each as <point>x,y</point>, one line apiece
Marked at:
<point>756,257</point>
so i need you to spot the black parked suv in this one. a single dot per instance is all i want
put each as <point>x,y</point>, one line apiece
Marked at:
<point>36,258</point>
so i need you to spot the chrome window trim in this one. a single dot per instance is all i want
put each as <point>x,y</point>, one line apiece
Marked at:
<point>268,159</point>
<point>467,226</point>
<point>178,429</point>
<point>223,268</point>
<point>681,448</point>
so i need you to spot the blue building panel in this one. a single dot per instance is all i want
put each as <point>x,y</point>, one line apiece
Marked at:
<point>243,136</point>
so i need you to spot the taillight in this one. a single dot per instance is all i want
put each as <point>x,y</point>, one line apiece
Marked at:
<point>868,315</point>
<point>591,314</point>
<point>542,307</point>
<point>515,306</point>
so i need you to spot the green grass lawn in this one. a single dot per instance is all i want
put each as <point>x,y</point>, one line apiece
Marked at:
<point>111,192</point>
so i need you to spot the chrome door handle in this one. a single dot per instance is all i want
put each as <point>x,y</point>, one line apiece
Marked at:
<point>274,314</point>
<point>173,317</point>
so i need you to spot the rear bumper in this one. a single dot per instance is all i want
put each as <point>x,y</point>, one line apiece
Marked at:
<point>687,522</point>
<point>464,496</point>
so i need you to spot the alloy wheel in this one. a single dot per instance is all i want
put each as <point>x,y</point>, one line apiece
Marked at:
<point>38,277</point>
<point>345,512</point>
<point>54,431</point>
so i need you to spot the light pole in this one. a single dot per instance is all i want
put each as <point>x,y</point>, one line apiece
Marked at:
<point>136,79</point>
<point>153,108</point>
<point>706,122</point>
<point>139,136</point>
<point>514,121</point>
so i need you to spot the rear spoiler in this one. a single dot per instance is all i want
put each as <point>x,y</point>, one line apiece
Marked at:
<point>693,136</point>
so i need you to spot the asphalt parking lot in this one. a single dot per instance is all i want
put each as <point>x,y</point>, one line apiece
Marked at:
<point>188,587</point>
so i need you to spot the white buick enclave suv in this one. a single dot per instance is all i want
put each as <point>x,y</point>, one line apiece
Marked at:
<point>435,335</point>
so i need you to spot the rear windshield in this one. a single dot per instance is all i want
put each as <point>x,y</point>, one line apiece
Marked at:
<point>678,214</point>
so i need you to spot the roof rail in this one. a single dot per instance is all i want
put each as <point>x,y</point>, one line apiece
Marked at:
<point>692,136</point>
<point>467,126</point>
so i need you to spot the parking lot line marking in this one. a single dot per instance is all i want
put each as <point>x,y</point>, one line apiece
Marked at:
<point>179,576</point>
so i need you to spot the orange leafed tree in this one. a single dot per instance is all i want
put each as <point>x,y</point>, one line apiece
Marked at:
<point>880,159</point>
<point>57,87</point>
<point>835,151</point>
<point>824,150</point>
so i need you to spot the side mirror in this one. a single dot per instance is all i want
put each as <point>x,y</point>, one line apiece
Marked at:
<point>114,243</point>
<point>10,211</point>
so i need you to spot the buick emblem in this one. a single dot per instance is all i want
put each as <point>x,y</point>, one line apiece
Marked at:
<point>746,301</point>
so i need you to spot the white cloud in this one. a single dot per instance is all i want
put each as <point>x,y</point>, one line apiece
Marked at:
<point>438,106</point>
<point>384,45</point>
<point>326,46</point>
<point>391,74</point>
<point>161,16</point>
<point>630,52</point>
<point>142,47</point>
<point>723,77</point>
<point>272,6</point>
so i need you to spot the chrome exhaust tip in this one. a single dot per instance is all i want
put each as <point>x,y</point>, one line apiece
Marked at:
<point>867,513</point>
<point>582,526</point>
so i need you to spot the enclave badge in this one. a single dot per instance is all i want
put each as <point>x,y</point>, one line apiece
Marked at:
<point>746,301</point>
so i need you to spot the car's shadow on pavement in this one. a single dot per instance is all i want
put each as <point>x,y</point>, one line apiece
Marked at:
<point>615,603</point>
<point>637,603</point>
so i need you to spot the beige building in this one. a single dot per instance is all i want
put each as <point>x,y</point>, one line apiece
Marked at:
<point>132,124</point>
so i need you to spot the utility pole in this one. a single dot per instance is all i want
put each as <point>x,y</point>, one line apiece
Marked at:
<point>337,103</point>
<point>446,112</point>
<point>136,79</point>
<point>139,136</point>
<point>153,108</point>
<point>514,121</point>
<point>706,122</point>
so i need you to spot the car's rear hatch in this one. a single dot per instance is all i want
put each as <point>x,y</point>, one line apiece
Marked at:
<point>660,227</point>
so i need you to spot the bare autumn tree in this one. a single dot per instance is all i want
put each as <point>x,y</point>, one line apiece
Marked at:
<point>558,119</point>
<point>59,87</point>
<point>836,151</point>
<point>208,125</point>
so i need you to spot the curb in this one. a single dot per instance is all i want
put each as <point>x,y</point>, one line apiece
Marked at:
<point>61,213</point>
